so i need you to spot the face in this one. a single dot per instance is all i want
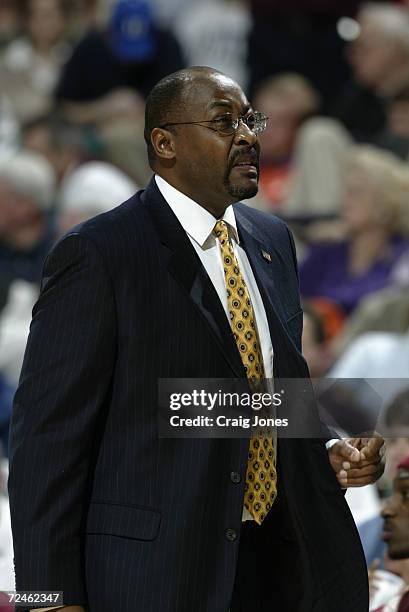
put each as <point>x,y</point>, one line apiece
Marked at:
<point>17,213</point>
<point>213,169</point>
<point>45,21</point>
<point>359,209</point>
<point>396,518</point>
<point>277,140</point>
<point>374,56</point>
<point>397,448</point>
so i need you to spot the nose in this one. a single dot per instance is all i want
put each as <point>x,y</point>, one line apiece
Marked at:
<point>244,135</point>
<point>389,508</point>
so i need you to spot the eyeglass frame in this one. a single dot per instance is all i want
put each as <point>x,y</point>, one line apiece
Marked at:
<point>243,120</point>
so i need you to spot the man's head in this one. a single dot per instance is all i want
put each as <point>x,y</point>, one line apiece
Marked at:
<point>187,149</point>
<point>288,99</point>
<point>380,55</point>
<point>396,514</point>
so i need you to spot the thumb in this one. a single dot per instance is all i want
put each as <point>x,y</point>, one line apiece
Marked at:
<point>347,451</point>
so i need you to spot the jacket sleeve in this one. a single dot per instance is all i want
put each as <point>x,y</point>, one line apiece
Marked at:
<point>58,418</point>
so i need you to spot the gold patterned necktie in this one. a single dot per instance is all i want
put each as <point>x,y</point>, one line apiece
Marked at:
<point>261,476</point>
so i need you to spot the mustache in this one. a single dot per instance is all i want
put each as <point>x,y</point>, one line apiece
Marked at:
<point>250,155</point>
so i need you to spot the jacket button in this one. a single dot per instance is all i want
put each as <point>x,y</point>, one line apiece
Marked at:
<point>231,535</point>
<point>235,477</point>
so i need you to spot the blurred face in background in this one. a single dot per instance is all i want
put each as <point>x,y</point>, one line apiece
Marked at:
<point>396,450</point>
<point>277,141</point>
<point>396,517</point>
<point>21,221</point>
<point>45,22</point>
<point>374,56</point>
<point>359,209</point>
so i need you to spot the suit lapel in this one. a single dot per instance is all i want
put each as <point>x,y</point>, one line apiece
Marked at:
<point>264,262</point>
<point>185,265</point>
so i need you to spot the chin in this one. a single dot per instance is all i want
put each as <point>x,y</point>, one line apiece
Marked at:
<point>398,553</point>
<point>242,192</point>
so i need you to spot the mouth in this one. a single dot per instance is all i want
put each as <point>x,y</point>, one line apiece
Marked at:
<point>387,535</point>
<point>246,167</point>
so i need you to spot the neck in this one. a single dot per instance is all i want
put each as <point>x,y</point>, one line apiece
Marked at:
<point>395,80</point>
<point>214,204</point>
<point>365,248</point>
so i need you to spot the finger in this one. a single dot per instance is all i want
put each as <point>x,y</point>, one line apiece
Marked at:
<point>361,481</point>
<point>345,450</point>
<point>342,479</point>
<point>372,448</point>
<point>368,470</point>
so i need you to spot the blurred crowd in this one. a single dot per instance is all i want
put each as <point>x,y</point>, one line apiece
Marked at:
<point>333,78</point>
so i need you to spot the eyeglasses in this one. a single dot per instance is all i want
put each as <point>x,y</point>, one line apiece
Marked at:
<point>228,125</point>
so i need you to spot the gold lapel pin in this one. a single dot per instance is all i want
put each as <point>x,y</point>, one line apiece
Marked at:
<point>266,255</point>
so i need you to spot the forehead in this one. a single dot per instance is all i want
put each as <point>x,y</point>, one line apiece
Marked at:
<point>215,92</point>
<point>402,480</point>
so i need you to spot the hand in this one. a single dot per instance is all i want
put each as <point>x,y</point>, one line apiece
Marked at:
<point>358,461</point>
<point>373,577</point>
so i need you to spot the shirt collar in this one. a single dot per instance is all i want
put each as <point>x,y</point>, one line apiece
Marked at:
<point>197,222</point>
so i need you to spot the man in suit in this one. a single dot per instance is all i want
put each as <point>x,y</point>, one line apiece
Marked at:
<point>102,507</point>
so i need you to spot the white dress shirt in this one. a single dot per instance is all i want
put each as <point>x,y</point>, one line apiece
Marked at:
<point>199,224</point>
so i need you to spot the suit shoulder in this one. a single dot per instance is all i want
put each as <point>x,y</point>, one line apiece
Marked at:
<point>265,223</point>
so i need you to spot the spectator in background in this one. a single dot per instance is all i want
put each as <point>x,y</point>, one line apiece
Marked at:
<point>396,422</point>
<point>60,141</point>
<point>91,189</point>
<point>380,64</point>
<point>215,33</point>
<point>396,531</point>
<point>9,128</point>
<point>111,72</point>
<point>108,76</point>
<point>395,135</point>
<point>288,99</point>
<point>300,35</point>
<point>27,183</point>
<point>375,215</point>
<point>31,63</point>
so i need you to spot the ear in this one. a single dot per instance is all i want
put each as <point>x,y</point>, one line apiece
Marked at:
<point>163,142</point>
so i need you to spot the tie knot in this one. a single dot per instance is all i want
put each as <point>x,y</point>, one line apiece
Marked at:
<point>220,229</point>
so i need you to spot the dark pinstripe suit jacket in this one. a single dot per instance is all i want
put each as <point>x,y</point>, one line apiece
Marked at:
<point>101,507</point>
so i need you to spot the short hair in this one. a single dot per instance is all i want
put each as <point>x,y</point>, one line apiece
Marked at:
<point>29,174</point>
<point>294,89</point>
<point>166,101</point>
<point>389,178</point>
<point>161,106</point>
<point>62,132</point>
<point>391,20</point>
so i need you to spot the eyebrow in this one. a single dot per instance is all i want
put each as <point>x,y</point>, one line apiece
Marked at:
<point>226,104</point>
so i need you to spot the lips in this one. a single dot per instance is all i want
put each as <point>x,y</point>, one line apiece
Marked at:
<point>249,163</point>
<point>247,166</point>
<point>247,160</point>
<point>387,533</point>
